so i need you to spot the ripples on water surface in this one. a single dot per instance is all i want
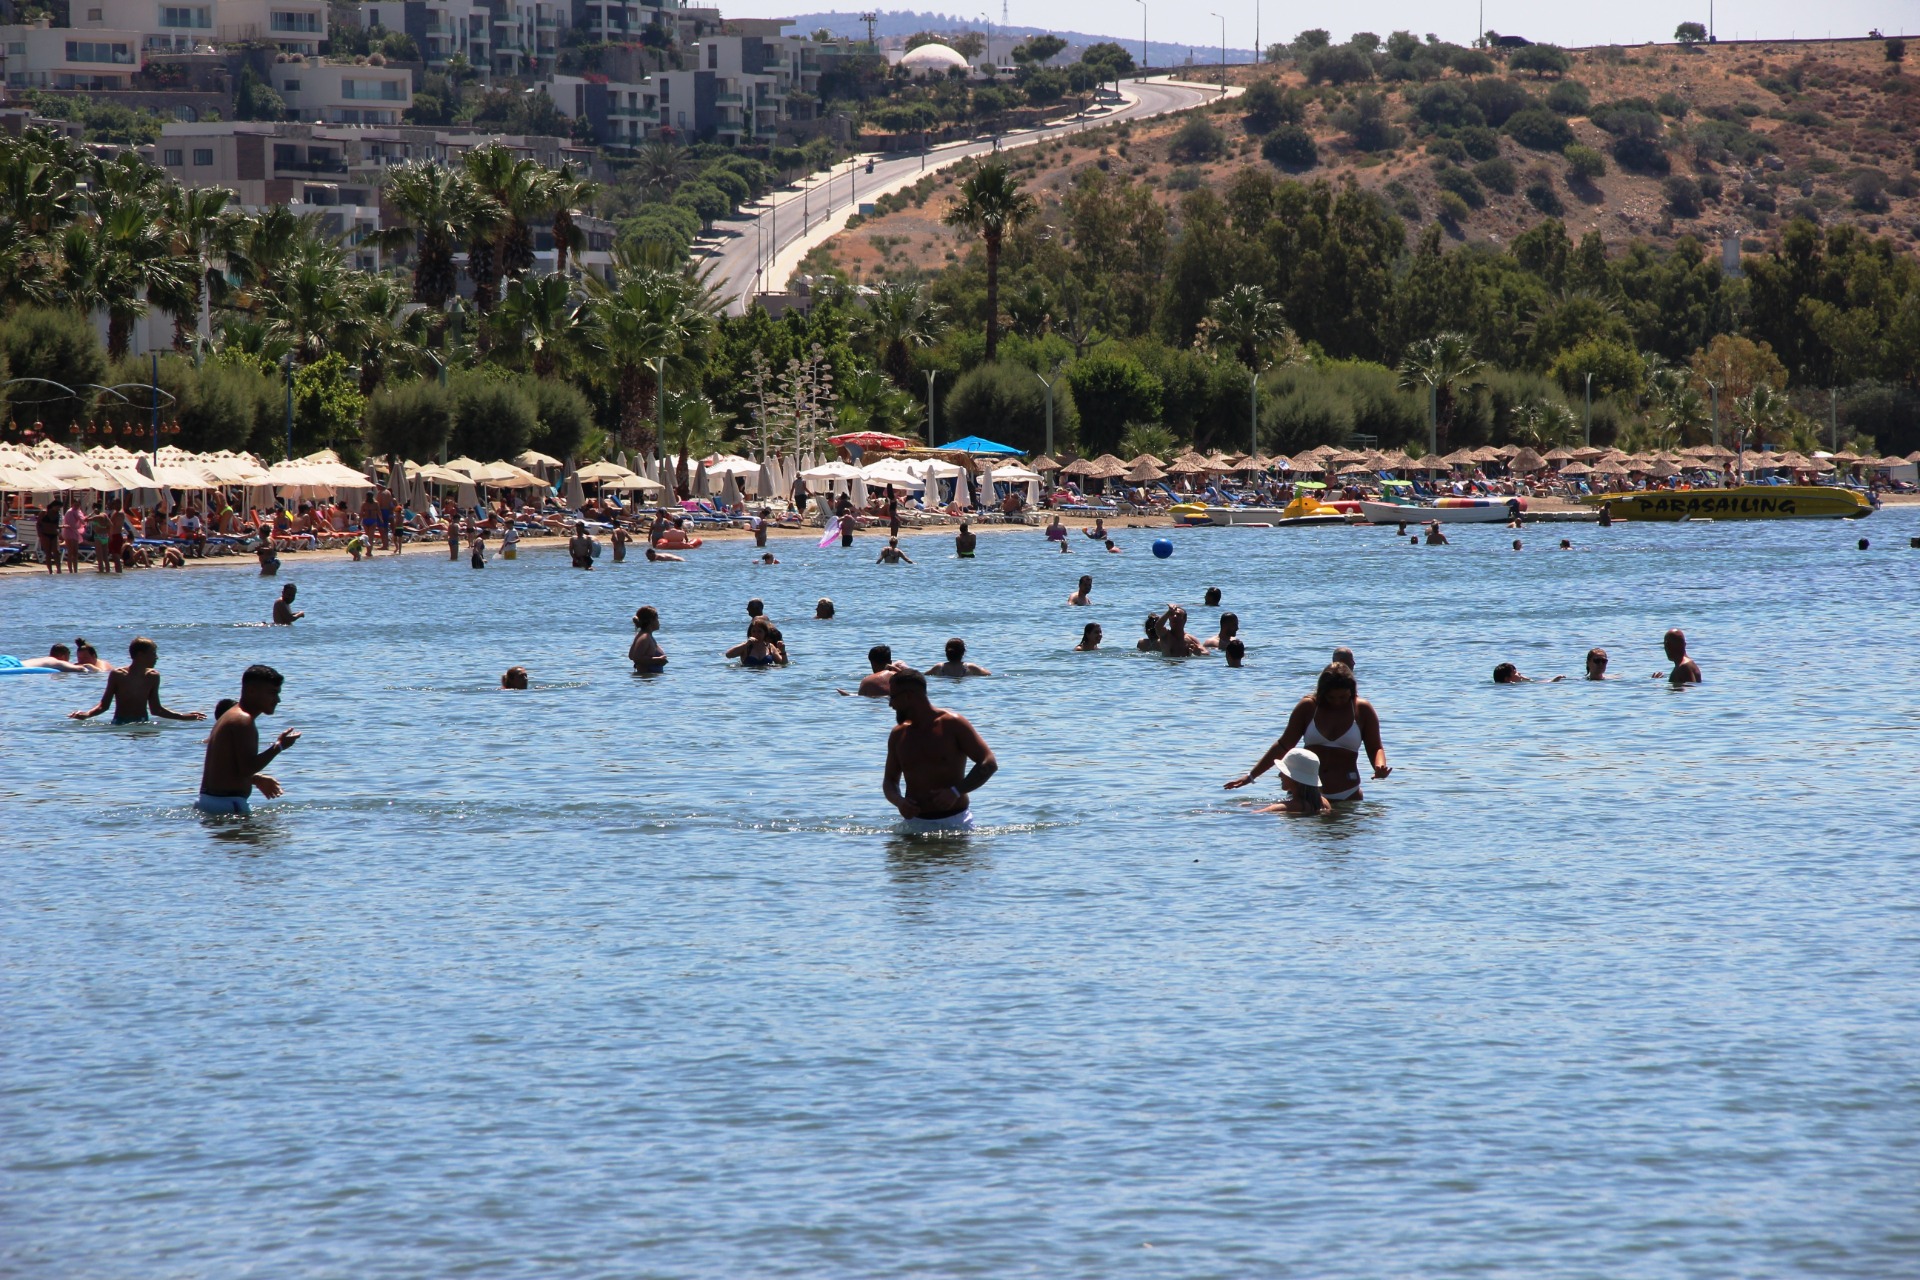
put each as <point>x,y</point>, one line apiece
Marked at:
<point>624,977</point>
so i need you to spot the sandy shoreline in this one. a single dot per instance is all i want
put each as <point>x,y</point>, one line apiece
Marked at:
<point>776,537</point>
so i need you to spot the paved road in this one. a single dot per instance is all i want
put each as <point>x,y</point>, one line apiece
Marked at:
<point>758,251</point>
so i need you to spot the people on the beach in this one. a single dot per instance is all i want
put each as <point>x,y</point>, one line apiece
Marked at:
<point>134,690</point>
<point>231,772</point>
<point>1090,637</point>
<point>1082,594</point>
<point>1336,724</point>
<point>1516,544</point>
<point>956,666</point>
<point>645,652</point>
<point>1597,665</point>
<point>453,538</point>
<point>879,681</point>
<point>477,550</point>
<point>1057,532</point>
<point>1300,779</point>
<point>515,678</point>
<point>965,541</point>
<point>1151,641</point>
<point>929,750</point>
<point>1685,669</point>
<point>892,554</point>
<point>269,558</point>
<point>284,614</point>
<point>759,526</point>
<point>1507,673</point>
<point>580,547</point>
<point>619,540</point>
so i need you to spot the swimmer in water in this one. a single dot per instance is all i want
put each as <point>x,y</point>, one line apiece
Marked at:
<point>60,658</point>
<point>284,614</point>
<point>1435,538</point>
<point>965,541</point>
<point>892,554</point>
<point>928,751</point>
<point>134,690</point>
<point>666,556</point>
<point>1300,779</point>
<point>1685,669</point>
<point>1229,629</point>
<point>1090,638</point>
<point>1151,642</point>
<point>880,681</point>
<point>1212,598</point>
<point>88,657</point>
<point>516,678</point>
<point>1566,544</point>
<point>1099,531</point>
<point>1085,591</point>
<point>760,648</point>
<point>767,557</point>
<point>1507,673</point>
<point>956,666</point>
<point>645,652</point>
<point>1344,654</point>
<point>580,547</point>
<point>1175,642</point>
<point>1236,651</point>
<point>1516,544</point>
<point>823,611</point>
<point>1597,665</point>
<point>234,760</point>
<point>1336,724</point>
<point>1113,548</point>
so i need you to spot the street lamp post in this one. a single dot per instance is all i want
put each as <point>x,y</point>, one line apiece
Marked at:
<point>1589,411</point>
<point>1048,384</point>
<point>932,374</point>
<point>659,413</point>
<point>154,387</point>
<point>1143,33</point>
<point>1223,52</point>
<point>1713,392</point>
<point>289,372</point>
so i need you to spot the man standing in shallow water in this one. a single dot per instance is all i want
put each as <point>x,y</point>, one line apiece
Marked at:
<point>234,759</point>
<point>927,778</point>
<point>1685,669</point>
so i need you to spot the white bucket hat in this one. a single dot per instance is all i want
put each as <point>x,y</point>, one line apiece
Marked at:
<point>1302,766</point>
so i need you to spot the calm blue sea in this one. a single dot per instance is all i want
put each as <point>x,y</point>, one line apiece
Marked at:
<point>626,977</point>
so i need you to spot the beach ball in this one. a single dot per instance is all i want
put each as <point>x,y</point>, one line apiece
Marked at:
<point>1162,547</point>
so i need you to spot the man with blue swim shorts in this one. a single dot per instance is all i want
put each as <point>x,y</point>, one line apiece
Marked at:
<point>234,759</point>
<point>927,777</point>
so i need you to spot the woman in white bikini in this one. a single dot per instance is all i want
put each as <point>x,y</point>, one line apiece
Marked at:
<point>1335,723</point>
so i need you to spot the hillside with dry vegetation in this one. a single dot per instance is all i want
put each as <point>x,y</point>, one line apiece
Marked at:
<point>1637,144</point>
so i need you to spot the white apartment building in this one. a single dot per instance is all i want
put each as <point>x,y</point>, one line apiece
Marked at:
<point>184,26</point>
<point>441,28</point>
<point>344,93</point>
<point>43,57</point>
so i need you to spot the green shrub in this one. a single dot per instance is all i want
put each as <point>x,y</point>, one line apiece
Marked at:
<point>1479,141</point>
<point>1498,174</point>
<point>1364,120</point>
<point>1499,100</point>
<point>1328,401</point>
<point>1539,129</point>
<point>1006,402</point>
<point>1453,209</point>
<point>1198,140</point>
<point>1541,195</point>
<point>1672,104</point>
<point>490,419</point>
<point>1569,98</point>
<point>1444,149</point>
<point>410,420</point>
<point>1459,182</point>
<point>1109,392</point>
<point>60,346</point>
<point>1585,163</point>
<point>1445,106</point>
<point>1290,147</point>
<point>1267,107</point>
<point>1683,196</point>
<point>1342,65</point>
<point>1641,155</point>
<point>562,416</point>
<point>1540,59</point>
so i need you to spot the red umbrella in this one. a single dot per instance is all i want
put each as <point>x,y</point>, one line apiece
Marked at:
<point>869,440</point>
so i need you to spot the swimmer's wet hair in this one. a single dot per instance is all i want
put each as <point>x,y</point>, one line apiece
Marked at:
<point>910,681</point>
<point>259,673</point>
<point>1338,675</point>
<point>880,655</point>
<point>142,645</point>
<point>223,706</point>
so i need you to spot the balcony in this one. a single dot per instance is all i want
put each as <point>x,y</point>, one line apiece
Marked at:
<point>313,164</point>
<point>727,99</point>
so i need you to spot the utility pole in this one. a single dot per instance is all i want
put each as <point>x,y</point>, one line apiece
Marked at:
<point>932,374</point>
<point>1143,36</point>
<point>1833,419</point>
<point>870,19</point>
<point>1589,411</point>
<point>1259,54</point>
<point>289,371</point>
<point>1223,51</point>
<point>1433,418</point>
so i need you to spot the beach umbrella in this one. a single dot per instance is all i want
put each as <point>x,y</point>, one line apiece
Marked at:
<point>577,496</point>
<point>869,440</point>
<point>597,472</point>
<point>534,458</point>
<point>1147,458</point>
<point>1044,464</point>
<point>397,484</point>
<point>632,483</point>
<point>1145,471</point>
<point>1661,469</point>
<point>835,470</point>
<point>1575,469</point>
<point>1559,453</point>
<point>1078,467</point>
<point>1526,460</point>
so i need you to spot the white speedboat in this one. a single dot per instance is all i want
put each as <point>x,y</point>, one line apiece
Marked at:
<point>1446,511</point>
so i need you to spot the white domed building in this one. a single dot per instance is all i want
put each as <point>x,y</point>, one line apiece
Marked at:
<point>933,61</point>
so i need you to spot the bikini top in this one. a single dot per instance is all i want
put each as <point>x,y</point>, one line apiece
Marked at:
<point>1348,741</point>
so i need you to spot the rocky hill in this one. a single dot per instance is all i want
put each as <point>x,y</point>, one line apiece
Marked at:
<point>1640,143</point>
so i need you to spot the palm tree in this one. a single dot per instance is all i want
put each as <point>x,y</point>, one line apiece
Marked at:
<point>655,309</point>
<point>378,332</point>
<point>435,205</point>
<point>1439,364</point>
<point>661,167</point>
<point>544,315</point>
<point>1673,402</point>
<point>1764,411</point>
<point>135,262</point>
<point>260,250</point>
<point>991,204</point>
<point>307,309</point>
<point>195,222</point>
<point>899,317</point>
<point>699,428</point>
<point>568,193</point>
<point>507,184</point>
<point>1244,324</point>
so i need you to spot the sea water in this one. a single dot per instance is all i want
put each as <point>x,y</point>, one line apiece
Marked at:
<point>626,976</point>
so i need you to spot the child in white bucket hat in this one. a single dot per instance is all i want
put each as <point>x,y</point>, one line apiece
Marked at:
<point>1300,777</point>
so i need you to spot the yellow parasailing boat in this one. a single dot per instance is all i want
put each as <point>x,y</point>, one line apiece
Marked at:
<point>1744,502</point>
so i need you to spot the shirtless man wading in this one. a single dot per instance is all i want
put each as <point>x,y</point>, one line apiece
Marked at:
<point>134,690</point>
<point>234,759</point>
<point>927,777</point>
